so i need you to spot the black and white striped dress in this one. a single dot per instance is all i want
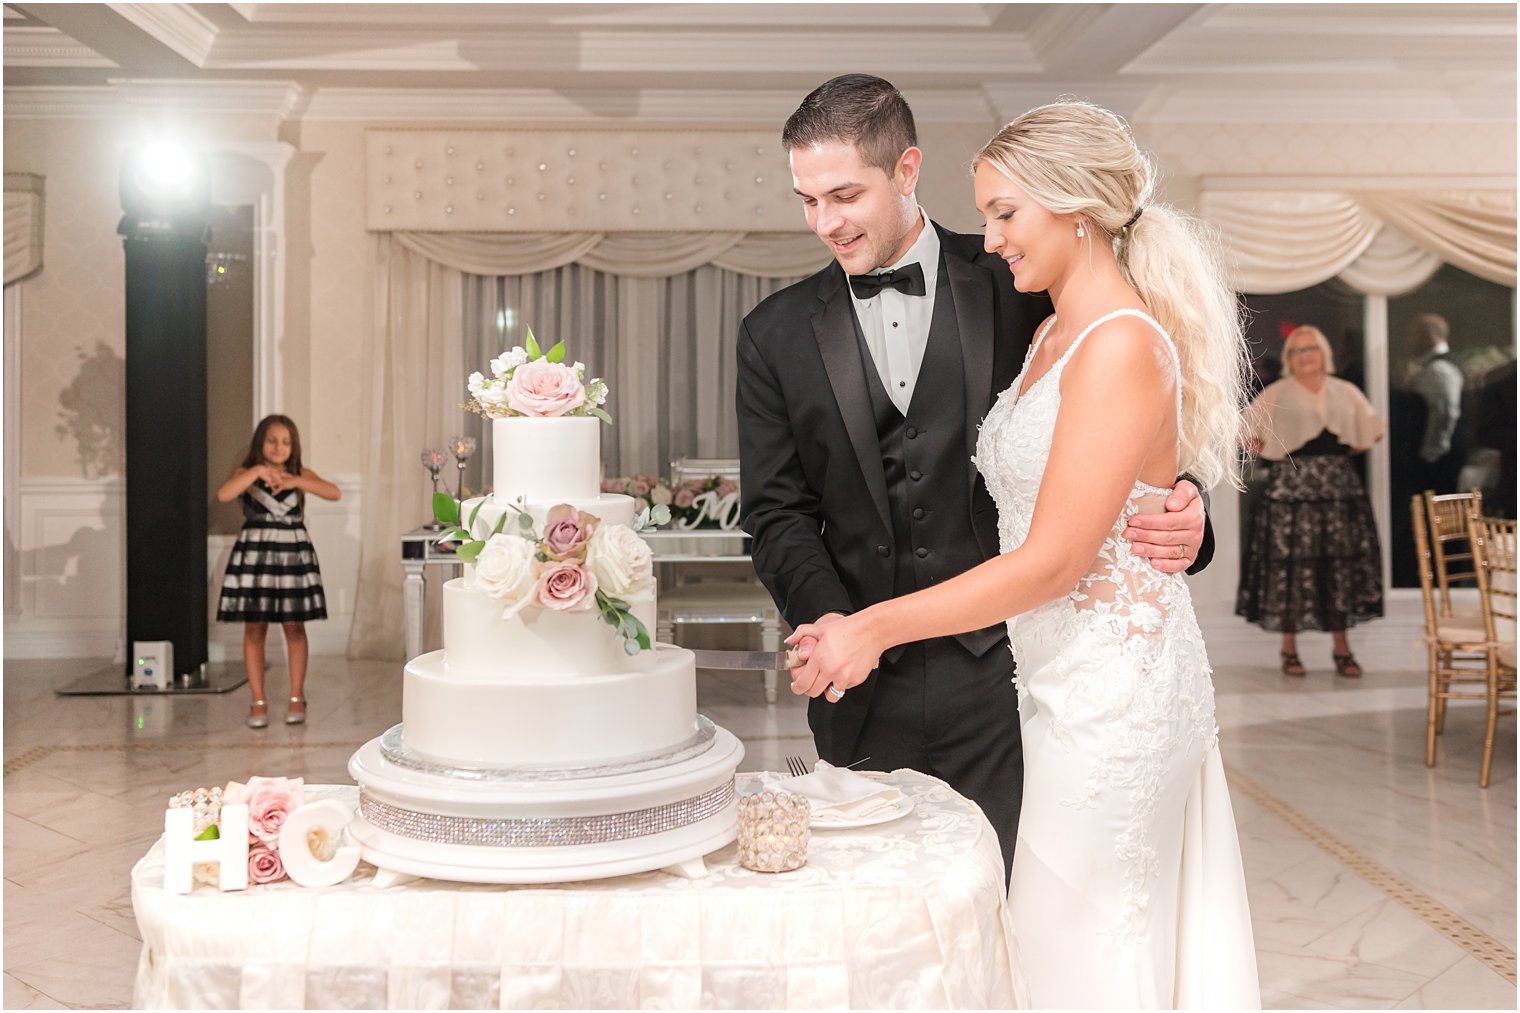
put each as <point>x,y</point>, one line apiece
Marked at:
<point>272,575</point>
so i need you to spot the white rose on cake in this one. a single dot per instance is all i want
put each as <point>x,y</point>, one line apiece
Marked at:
<point>506,571</point>
<point>621,560</point>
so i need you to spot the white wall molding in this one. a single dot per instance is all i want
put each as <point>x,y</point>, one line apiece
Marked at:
<point>71,547</point>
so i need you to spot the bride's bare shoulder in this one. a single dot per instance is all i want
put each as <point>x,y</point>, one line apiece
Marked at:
<point>1126,348</point>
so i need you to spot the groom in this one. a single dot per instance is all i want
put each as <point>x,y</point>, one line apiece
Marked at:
<point>860,396</point>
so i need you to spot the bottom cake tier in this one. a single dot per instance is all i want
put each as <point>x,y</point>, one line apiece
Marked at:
<point>545,826</point>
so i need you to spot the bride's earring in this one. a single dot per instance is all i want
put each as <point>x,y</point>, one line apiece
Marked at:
<point>1080,231</point>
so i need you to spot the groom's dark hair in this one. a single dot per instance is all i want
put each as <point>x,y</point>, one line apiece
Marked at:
<point>858,109</point>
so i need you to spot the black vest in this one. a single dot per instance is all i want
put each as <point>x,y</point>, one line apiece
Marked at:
<point>924,457</point>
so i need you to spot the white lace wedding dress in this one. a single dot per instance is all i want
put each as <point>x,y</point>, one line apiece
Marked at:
<point>1127,888</point>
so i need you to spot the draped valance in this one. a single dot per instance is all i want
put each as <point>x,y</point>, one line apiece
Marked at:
<point>1379,242</point>
<point>628,254</point>
<point>23,225</point>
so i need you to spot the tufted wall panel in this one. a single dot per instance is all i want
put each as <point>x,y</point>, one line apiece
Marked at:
<point>578,181</point>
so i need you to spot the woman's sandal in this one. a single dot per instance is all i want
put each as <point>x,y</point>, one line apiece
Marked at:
<point>1345,664</point>
<point>296,717</point>
<point>1291,665</point>
<point>258,720</point>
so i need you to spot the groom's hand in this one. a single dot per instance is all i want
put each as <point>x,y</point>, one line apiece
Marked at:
<point>802,675</point>
<point>1170,540</point>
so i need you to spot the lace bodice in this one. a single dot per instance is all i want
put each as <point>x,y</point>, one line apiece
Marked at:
<point>1123,646</point>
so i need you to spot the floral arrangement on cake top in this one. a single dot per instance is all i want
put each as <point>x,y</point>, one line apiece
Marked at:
<point>575,564</point>
<point>710,502</point>
<point>527,382</point>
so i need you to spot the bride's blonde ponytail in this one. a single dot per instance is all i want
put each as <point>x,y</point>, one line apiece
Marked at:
<point>1078,158</point>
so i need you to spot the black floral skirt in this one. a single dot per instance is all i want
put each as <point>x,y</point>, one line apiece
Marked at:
<point>1313,560</point>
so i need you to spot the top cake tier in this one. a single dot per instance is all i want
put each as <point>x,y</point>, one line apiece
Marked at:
<point>546,460</point>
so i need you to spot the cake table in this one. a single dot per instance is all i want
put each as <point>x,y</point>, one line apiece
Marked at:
<point>909,913</point>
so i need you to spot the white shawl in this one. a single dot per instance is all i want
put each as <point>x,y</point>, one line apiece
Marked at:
<point>1286,415</point>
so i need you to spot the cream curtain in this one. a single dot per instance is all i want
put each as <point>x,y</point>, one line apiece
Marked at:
<point>628,254</point>
<point>1381,243</point>
<point>445,305</point>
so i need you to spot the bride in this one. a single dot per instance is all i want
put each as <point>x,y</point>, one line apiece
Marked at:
<point>1127,888</point>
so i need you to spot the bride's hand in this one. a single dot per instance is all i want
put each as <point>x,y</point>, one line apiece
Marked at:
<point>843,655</point>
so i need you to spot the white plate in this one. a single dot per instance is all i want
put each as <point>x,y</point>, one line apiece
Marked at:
<point>903,808</point>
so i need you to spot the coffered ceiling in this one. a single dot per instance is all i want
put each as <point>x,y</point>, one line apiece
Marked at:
<point>750,62</point>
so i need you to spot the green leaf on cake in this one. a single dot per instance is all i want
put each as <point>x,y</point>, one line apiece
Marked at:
<point>445,508</point>
<point>531,346</point>
<point>475,513</point>
<point>599,413</point>
<point>640,631</point>
<point>557,353</point>
<point>469,551</point>
<point>211,833</point>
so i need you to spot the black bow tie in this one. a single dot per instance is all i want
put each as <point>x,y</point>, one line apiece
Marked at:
<point>908,280</point>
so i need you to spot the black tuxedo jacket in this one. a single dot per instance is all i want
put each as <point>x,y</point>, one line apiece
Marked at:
<point>814,495</point>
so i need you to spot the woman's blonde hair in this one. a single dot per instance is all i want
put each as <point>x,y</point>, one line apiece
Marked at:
<point>1319,339</point>
<point>1075,158</point>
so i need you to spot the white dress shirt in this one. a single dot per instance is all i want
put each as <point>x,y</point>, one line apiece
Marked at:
<point>896,325</point>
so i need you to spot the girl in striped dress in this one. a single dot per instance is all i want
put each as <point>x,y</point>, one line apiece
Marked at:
<point>272,575</point>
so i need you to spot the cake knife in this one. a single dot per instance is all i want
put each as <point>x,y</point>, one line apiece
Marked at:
<point>754,661</point>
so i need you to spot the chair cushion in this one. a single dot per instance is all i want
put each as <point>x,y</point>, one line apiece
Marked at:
<point>1464,626</point>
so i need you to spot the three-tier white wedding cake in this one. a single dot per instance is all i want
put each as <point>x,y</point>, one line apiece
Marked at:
<point>549,740</point>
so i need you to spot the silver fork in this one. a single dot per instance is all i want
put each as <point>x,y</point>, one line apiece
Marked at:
<point>795,766</point>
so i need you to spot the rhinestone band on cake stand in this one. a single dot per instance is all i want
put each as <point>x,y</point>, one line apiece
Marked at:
<point>417,819</point>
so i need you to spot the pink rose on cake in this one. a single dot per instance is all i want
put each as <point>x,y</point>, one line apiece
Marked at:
<point>621,560</point>
<point>565,587</point>
<point>566,532</point>
<point>270,802</point>
<point>545,389</point>
<point>264,865</point>
<point>506,570</point>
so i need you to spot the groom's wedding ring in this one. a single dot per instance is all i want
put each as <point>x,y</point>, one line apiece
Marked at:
<point>1181,551</point>
<point>834,692</point>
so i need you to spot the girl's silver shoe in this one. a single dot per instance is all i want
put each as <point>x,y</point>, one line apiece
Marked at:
<point>293,718</point>
<point>258,720</point>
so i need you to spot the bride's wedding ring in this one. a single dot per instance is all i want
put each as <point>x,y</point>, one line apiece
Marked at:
<point>834,692</point>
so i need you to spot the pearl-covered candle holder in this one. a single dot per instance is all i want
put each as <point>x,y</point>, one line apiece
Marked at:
<point>773,831</point>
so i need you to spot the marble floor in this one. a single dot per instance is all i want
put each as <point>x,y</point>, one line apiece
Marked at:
<point>1374,882</point>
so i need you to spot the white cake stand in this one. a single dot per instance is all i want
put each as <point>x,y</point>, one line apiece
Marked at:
<point>477,826</point>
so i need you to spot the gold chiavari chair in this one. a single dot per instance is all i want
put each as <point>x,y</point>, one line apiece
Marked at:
<point>1452,552</point>
<point>1457,666</point>
<point>1493,546</point>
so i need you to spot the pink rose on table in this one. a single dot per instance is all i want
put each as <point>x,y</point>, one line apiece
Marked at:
<point>545,389</point>
<point>270,802</point>
<point>617,485</point>
<point>566,532</point>
<point>264,865</point>
<point>727,486</point>
<point>565,587</point>
<point>685,497</point>
<point>639,487</point>
<point>696,485</point>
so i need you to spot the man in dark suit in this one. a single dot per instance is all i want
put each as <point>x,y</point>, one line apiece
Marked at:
<point>860,395</point>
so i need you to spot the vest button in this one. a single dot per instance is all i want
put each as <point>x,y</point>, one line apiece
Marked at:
<point>882,550</point>
<point>922,553</point>
<point>915,474</point>
<point>912,432</point>
<point>918,513</point>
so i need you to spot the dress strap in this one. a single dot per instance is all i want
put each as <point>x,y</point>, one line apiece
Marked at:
<point>1039,336</point>
<point>1130,311</point>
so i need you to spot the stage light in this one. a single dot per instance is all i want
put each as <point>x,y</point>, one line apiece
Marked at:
<point>164,184</point>
<point>167,168</point>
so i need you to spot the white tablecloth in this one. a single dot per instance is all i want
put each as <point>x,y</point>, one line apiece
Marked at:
<point>905,914</point>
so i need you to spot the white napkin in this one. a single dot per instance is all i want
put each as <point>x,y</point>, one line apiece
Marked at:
<point>835,793</point>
